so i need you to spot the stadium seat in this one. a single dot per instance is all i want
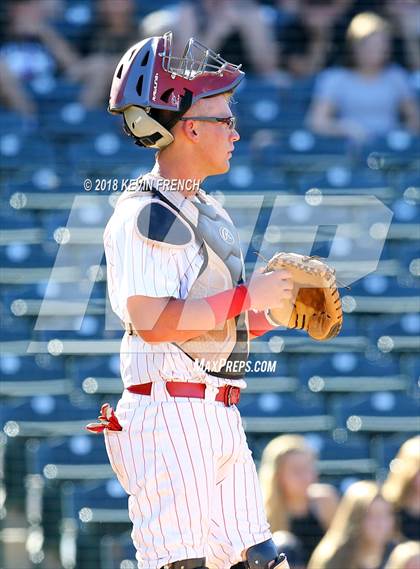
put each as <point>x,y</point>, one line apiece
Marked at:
<point>81,457</point>
<point>12,328</point>
<point>20,254</point>
<point>345,179</point>
<point>27,376</point>
<point>108,156</point>
<point>95,510</point>
<point>12,122</point>
<point>97,374</point>
<point>118,551</point>
<point>348,372</point>
<point>55,462</point>
<point>386,447</point>
<point>48,416</point>
<point>384,412</point>
<point>339,457</point>
<point>274,413</point>
<point>18,152</point>
<point>299,151</point>
<point>396,151</point>
<point>70,121</point>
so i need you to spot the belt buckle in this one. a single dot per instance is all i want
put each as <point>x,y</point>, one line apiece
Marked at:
<point>232,395</point>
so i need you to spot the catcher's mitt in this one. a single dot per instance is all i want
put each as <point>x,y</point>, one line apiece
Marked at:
<point>315,305</point>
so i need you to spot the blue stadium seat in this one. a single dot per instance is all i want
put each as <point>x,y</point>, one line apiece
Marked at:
<point>405,211</point>
<point>118,551</point>
<point>380,285</point>
<point>410,364</point>
<point>274,413</point>
<point>344,178</point>
<point>12,328</point>
<point>16,220</point>
<point>57,184</point>
<point>351,372</point>
<point>385,412</point>
<point>350,456</point>
<point>87,327</point>
<point>407,324</point>
<point>27,376</point>
<point>48,416</point>
<point>18,152</point>
<point>12,122</point>
<point>385,448</point>
<point>108,154</point>
<point>397,150</point>
<point>71,121</point>
<point>95,510</point>
<point>58,461</point>
<point>407,252</point>
<point>243,177</point>
<point>299,150</point>
<point>97,503</point>
<point>98,374</point>
<point>17,255</point>
<point>81,457</point>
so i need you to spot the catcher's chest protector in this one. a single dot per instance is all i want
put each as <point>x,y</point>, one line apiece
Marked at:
<point>224,350</point>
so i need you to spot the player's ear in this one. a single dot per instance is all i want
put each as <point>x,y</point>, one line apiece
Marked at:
<point>190,130</point>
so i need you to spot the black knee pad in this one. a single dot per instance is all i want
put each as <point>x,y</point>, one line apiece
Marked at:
<point>197,563</point>
<point>264,555</point>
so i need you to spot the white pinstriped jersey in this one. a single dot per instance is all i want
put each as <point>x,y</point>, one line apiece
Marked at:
<point>138,267</point>
<point>185,463</point>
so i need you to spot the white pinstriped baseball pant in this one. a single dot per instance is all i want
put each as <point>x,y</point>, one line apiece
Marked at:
<point>192,484</point>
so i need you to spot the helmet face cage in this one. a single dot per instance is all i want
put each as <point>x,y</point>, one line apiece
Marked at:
<point>196,60</point>
<point>149,77</point>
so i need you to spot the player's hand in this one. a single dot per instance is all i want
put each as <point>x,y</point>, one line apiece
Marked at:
<point>270,290</point>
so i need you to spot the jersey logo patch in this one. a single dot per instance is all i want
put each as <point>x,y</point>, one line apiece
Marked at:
<point>226,235</point>
<point>157,222</point>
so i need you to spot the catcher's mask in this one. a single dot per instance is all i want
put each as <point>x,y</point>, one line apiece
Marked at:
<point>149,79</point>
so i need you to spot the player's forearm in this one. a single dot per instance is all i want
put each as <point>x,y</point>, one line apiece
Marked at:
<point>182,320</point>
<point>172,320</point>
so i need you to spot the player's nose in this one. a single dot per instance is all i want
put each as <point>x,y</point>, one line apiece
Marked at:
<point>234,136</point>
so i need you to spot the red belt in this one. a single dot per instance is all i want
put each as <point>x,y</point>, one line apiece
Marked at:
<point>228,394</point>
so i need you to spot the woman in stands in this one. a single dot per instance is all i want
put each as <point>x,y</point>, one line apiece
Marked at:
<point>295,503</point>
<point>402,488</point>
<point>405,556</point>
<point>366,98</point>
<point>360,535</point>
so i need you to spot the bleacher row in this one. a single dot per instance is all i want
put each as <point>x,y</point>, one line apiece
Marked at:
<point>355,397</point>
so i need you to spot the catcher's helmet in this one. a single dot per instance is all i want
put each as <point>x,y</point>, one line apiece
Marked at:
<point>149,78</point>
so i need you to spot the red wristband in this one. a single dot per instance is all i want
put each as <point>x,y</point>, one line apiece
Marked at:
<point>230,303</point>
<point>258,323</point>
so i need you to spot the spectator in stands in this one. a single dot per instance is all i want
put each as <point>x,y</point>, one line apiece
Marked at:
<point>306,42</point>
<point>365,99</point>
<point>114,29</point>
<point>294,501</point>
<point>361,532</point>
<point>402,488</point>
<point>405,16</point>
<point>13,95</point>
<point>405,556</point>
<point>31,48</point>
<point>235,28</point>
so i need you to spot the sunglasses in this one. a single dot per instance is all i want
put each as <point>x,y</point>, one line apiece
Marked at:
<point>229,121</point>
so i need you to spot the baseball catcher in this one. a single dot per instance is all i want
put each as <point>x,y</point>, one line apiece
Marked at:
<point>176,280</point>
